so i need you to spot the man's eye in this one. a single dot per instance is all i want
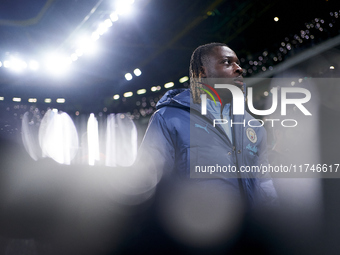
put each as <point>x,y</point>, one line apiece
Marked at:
<point>226,61</point>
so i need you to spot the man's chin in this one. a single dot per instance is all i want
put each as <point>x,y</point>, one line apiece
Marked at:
<point>240,85</point>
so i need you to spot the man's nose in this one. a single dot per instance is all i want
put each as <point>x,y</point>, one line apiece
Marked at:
<point>238,68</point>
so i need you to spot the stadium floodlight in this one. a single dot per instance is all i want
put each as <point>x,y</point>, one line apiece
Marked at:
<point>128,94</point>
<point>74,57</point>
<point>184,79</point>
<point>169,85</point>
<point>18,65</point>
<point>124,7</point>
<point>33,65</point>
<point>114,17</point>
<point>60,100</point>
<point>102,28</point>
<point>86,44</point>
<point>128,76</point>
<point>141,91</point>
<point>108,23</point>
<point>7,64</point>
<point>95,36</point>
<point>79,52</point>
<point>58,64</point>
<point>32,100</point>
<point>137,72</point>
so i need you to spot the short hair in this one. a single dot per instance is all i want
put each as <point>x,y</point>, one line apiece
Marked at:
<point>196,63</point>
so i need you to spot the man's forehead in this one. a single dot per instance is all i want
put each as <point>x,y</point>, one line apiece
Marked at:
<point>223,51</point>
<point>217,53</point>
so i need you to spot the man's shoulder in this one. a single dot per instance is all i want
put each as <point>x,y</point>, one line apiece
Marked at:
<point>170,111</point>
<point>175,98</point>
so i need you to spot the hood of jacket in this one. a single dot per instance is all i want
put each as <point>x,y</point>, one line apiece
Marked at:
<point>180,98</point>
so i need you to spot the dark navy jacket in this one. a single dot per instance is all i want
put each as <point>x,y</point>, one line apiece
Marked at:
<point>179,140</point>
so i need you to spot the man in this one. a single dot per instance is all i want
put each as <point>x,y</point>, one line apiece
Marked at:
<point>181,141</point>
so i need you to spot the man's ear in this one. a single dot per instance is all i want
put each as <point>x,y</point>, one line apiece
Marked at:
<point>203,73</point>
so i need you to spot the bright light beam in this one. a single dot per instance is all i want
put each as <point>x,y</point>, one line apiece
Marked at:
<point>86,45</point>
<point>7,64</point>
<point>124,7</point>
<point>102,28</point>
<point>18,65</point>
<point>108,23</point>
<point>56,64</point>
<point>95,36</point>
<point>114,17</point>
<point>33,65</point>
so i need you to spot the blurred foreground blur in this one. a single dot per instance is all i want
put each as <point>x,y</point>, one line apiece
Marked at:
<point>48,208</point>
<point>52,208</point>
